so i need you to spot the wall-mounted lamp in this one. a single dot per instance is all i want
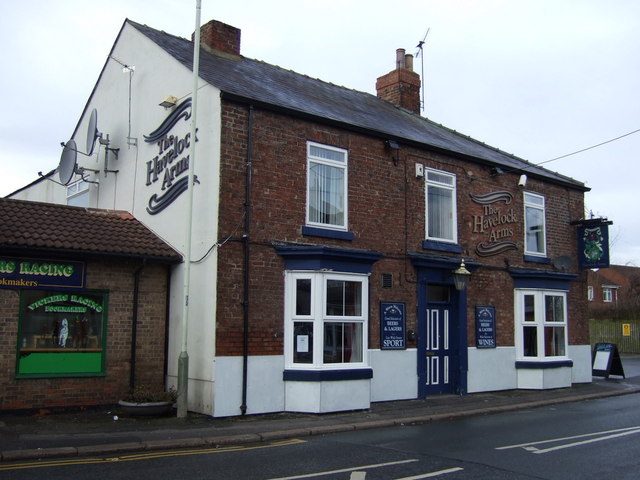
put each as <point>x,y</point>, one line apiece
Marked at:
<point>496,171</point>
<point>394,147</point>
<point>169,102</point>
<point>461,276</point>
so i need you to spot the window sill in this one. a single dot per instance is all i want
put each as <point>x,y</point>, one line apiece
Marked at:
<point>327,375</point>
<point>441,246</point>
<point>536,259</point>
<point>327,233</point>
<point>543,364</point>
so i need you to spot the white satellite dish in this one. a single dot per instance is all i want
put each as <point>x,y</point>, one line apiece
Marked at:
<point>68,166</point>
<point>92,131</point>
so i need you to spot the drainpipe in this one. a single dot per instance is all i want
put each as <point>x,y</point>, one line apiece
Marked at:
<point>246,245</point>
<point>134,325</point>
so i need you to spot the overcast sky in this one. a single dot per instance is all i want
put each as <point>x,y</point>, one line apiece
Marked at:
<point>536,78</point>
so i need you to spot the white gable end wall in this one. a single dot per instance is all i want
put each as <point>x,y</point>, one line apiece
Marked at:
<point>137,76</point>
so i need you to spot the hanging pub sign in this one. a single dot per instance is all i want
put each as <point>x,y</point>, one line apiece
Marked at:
<point>392,326</point>
<point>593,243</point>
<point>485,326</point>
<point>29,273</point>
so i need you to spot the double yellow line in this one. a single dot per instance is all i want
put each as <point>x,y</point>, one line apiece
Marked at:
<point>142,456</point>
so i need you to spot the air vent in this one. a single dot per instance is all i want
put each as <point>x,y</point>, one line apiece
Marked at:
<point>387,280</point>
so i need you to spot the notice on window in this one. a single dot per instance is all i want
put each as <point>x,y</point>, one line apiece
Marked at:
<point>302,343</point>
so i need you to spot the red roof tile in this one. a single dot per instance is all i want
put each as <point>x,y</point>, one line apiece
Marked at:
<point>43,227</point>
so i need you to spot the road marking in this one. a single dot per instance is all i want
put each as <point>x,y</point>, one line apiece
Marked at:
<point>343,470</point>
<point>358,476</point>
<point>604,435</point>
<point>433,474</point>
<point>143,456</point>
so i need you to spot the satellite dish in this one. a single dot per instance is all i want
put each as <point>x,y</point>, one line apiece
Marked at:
<point>92,131</point>
<point>67,166</point>
<point>563,262</point>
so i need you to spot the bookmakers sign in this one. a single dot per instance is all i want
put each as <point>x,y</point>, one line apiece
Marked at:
<point>27,273</point>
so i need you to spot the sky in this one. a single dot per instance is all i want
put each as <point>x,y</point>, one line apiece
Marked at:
<point>539,79</point>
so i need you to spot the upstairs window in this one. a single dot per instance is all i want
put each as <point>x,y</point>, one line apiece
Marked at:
<point>590,293</point>
<point>326,187</point>
<point>78,194</point>
<point>534,224</point>
<point>608,294</point>
<point>440,206</point>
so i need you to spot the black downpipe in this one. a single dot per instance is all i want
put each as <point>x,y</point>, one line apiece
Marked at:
<point>134,325</point>
<point>167,316</point>
<point>246,245</point>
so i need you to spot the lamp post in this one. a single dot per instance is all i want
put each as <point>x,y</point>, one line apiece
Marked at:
<point>461,276</point>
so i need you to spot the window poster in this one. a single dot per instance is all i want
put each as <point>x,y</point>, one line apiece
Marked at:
<point>61,334</point>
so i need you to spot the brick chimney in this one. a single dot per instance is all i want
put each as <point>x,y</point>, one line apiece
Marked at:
<point>402,85</point>
<point>220,37</point>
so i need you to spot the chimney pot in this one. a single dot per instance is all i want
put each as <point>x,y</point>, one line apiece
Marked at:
<point>400,58</point>
<point>408,61</point>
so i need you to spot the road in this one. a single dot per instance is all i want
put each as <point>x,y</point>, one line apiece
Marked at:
<point>587,440</point>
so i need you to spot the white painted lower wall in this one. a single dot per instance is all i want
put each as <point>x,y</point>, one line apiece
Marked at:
<point>327,396</point>
<point>395,374</point>
<point>494,369</point>
<point>582,366</point>
<point>265,387</point>
<point>491,369</point>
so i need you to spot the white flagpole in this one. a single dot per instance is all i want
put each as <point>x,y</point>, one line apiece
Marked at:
<point>183,359</point>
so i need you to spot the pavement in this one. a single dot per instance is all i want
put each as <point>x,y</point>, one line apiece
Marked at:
<point>106,431</point>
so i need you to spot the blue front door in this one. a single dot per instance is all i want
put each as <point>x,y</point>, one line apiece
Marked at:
<point>438,359</point>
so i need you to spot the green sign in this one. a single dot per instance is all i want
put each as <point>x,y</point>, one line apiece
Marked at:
<point>32,273</point>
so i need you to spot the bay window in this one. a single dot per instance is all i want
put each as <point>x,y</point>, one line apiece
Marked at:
<point>326,319</point>
<point>541,324</point>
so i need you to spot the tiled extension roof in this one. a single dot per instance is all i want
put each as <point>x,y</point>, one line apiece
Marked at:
<point>253,81</point>
<point>34,227</point>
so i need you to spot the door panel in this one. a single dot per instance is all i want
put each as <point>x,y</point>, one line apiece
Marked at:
<point>438,360</point>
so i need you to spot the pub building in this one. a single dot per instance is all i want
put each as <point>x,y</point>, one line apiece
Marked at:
<point>344,249</point>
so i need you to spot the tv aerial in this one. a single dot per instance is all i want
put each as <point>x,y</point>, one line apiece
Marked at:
<point>420,53</point>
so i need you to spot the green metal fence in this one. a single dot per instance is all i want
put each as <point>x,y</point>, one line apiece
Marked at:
<point>624,333</point>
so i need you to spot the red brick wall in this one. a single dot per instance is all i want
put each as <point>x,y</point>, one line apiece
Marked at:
<point>118,279</point>
<point>386,214</point>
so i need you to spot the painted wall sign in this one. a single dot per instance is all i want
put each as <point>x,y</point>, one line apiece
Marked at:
<point>485,326</point>
<point>495,222</point>
<point>392,326</point>
<point>593,245</point>
<point>172,160</point>
<point>38,273</point>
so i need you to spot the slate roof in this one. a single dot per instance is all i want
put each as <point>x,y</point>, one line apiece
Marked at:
<point>28,228</point>
<point>267,85</point>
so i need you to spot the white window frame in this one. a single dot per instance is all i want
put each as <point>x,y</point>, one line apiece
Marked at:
<point>590,293</point>
<point>534,201</point>
<point>438,179</point>
<point>315,160</point>
<point>609,294</point>
<point>319,318</point>
<point>540,323</point>
<point>78,189</point>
